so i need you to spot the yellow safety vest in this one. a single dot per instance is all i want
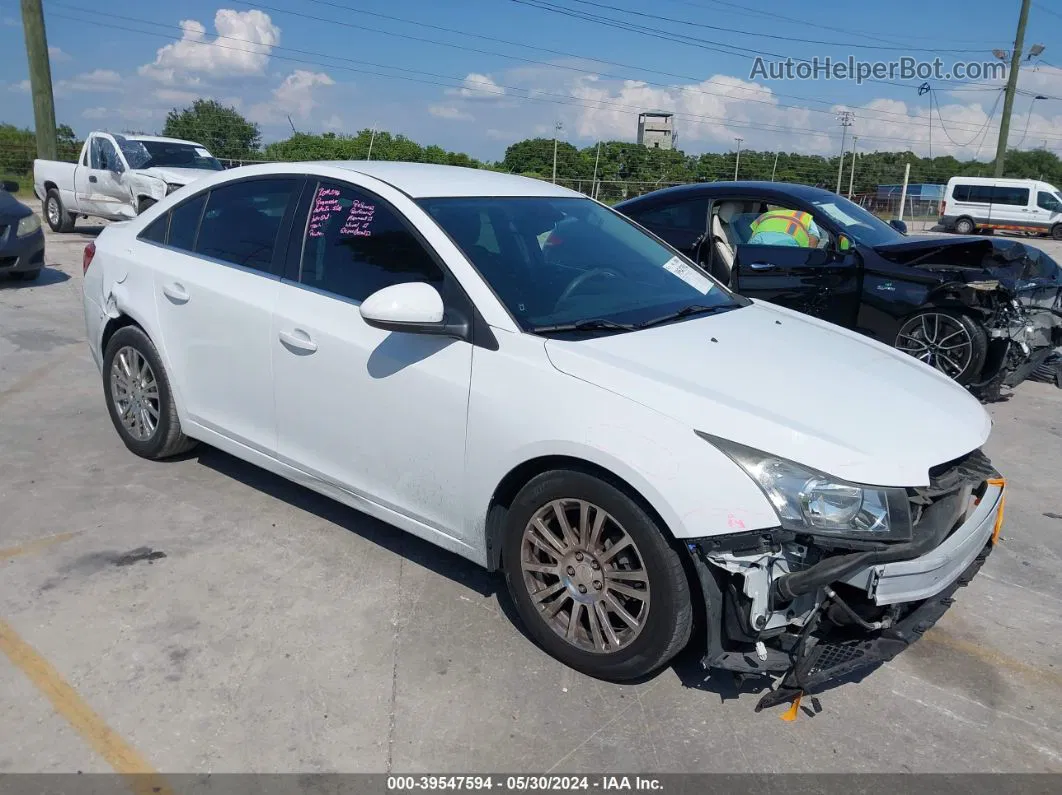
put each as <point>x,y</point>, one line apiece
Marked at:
<point>794,223</point>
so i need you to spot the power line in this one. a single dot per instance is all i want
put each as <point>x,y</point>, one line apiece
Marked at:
<point>777,37</point>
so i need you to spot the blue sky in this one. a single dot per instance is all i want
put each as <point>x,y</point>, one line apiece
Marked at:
<point>123,64</point>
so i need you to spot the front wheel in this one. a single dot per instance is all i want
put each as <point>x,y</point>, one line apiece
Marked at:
<point>593,577</point>
<point>953,343</point>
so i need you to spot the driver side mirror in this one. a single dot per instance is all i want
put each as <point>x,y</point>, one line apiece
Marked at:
<point>412,308</point>
<point>10,186</point>
<point>899,226</point>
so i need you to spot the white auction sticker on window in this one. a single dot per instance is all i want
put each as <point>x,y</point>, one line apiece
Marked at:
<point>695,280</point>
<point>202,152</point>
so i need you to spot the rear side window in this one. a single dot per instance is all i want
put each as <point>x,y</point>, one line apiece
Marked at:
<point>1018,197</point>
<point>156,230</point>
<point>242,221</point>
<point>185,222</point>
<point>356,245</point>
<point>691,215</point>
<point>976,194</point>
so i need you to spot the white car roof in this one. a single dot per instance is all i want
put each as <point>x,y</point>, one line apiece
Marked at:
<point>423,180</point>
<point>161,138</point>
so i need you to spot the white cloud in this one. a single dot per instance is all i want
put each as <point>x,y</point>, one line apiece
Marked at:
<point>449,112</point>
<point>175,96</point>
<point>98,80</point>
<point>242,47</point>
<point>95,113</point>
<point>295,96</point>
<point>57,55</point>
<point>22,86</point>
<point>9,22</point>
<point>333,122</point>
<point>477,86</point>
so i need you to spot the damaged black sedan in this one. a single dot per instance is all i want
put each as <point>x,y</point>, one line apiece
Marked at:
<point>986,312</point>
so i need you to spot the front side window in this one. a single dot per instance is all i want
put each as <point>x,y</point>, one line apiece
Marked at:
<point>242,221</point>
<point>105,156</point>
<point>356,245</point>
<point>563,261</point>
<point>1048,201</point>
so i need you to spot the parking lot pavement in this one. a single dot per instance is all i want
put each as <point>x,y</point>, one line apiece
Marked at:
<point>203,615</point>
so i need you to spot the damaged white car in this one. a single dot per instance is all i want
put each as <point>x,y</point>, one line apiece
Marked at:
<point>117,177</point>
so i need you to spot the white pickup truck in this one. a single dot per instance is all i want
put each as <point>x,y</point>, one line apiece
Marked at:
<point>117,177</point>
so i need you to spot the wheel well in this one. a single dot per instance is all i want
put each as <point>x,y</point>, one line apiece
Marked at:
<point>521,475</point>
<point>112,326</point>
<point>50,186</point>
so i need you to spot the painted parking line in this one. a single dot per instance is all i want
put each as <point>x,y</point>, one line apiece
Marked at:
<point>36,545</point>
<point>141,777</point>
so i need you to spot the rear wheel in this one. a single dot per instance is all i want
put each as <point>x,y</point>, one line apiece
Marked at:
<point>139,398</point>
<point>55,213</point>
<point>593,577</point>
<point>953,343</point>
<point>965,226</point>
<point>1056,231</point>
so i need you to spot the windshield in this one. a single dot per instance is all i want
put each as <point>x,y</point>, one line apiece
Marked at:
<point>860,225</point>
<point>149,154</point>
<point>557,261</point>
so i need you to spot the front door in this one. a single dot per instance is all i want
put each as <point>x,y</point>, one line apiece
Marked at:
<point>99,186</point>
<point>820,276</point>
<point>216,283</point>
<point>380,414</point>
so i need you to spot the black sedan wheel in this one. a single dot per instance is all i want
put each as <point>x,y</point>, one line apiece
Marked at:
<point>951,342</point>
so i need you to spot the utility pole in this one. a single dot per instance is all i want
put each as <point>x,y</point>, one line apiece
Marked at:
<point>903,195</point>
<point>846,122</point>
<point>1012,85</point>
<point>40,71</point>
<point>737,162</point>
<point>774,168</point>
<point>593,185</point>
<point>372,140</point>
<point>556,130</point>
<point>851,175</point>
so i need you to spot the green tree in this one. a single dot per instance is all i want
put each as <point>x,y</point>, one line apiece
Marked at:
<point>221,129</point>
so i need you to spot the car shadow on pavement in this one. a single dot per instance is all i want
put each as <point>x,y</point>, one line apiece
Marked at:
<point>414,549</point>
<point>49,275</point>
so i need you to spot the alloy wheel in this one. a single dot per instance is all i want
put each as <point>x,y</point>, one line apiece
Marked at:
<point>135,393</point>
<point>939,340</point>
<point>53,211</point>
<point>585,575</point>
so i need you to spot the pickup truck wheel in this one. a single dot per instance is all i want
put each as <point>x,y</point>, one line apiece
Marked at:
<point>593,577</point>
<point>55,213</point>
<point>952,342</point>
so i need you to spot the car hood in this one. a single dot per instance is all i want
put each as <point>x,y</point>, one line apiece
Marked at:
<point>11,209</point>
<point>180,176</point>
<point>790,385</point>
<point>974,259</point>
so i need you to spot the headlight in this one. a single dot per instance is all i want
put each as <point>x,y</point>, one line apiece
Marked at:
<point>27,226</point>
<point>809,501</point>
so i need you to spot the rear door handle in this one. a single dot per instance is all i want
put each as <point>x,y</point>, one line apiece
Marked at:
<point>176,293</point>
<point>761,266</point>
<point>298,340</point>
<point>92,179</point>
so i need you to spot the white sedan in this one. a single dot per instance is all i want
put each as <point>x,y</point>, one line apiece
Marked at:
<point>523,376</point>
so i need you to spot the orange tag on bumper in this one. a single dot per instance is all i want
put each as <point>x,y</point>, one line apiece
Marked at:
<point>1002,483</point>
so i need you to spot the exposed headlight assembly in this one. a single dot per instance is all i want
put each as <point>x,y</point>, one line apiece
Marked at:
<point>27,226</point>
<point>809,501</point>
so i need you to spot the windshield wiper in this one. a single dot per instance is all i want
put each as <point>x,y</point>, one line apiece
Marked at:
<point>687,311</point>
<point>592,324</point>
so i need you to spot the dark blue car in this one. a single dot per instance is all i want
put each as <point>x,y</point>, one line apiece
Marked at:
<point>21,237</point>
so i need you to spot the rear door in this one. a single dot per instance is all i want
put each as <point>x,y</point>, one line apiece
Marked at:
<point>823,282</point>
<point>98,185</point>
<point>216,281</point>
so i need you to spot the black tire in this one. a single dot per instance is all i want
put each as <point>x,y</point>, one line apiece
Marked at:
<point>167,438</point>
<point>64,221</point>
<point>144,204</point>
<point>27,276</point>
<point>668,621</point>
<point>974,330</point>
<point>1056,232</point>
<point>965,226</point>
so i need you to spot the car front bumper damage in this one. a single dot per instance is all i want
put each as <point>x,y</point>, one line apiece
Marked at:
<point>807,616</point>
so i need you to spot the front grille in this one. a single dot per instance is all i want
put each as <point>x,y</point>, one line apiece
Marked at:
<point>830,654</point>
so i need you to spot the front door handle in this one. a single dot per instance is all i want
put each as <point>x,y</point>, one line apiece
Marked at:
<point>298,340</point>
<point>92,179</point>
<point>761,266</point>
<point>176,293</point>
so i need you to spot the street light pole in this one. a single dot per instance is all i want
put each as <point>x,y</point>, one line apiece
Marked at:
<point>737,162</point>
<point>1012,85</point>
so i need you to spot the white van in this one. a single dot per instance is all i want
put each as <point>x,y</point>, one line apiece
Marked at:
<point>1015,205</point>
